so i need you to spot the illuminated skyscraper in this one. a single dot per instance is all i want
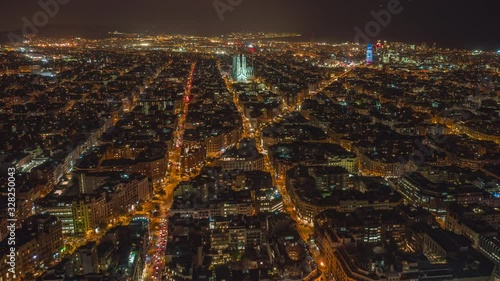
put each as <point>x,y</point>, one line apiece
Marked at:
<point>369,54</point>
<point>241,72</point>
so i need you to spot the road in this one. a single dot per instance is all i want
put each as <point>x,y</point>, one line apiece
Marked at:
<point>335,78</point>
<point>304,230</point>
<point>155,260</point>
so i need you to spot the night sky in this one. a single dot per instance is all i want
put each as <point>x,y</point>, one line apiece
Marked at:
<point>460,23</point>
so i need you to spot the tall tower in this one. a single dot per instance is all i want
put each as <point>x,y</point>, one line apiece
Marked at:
<point>369,54</point>
<point>241,72</point>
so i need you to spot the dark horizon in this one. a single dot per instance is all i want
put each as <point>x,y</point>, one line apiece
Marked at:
<point>458,24</point>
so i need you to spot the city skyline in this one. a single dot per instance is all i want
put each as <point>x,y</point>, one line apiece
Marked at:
<point>240,140</point>
<point>459,24</point>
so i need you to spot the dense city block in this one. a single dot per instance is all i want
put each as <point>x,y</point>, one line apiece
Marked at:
<point>247,157</point>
